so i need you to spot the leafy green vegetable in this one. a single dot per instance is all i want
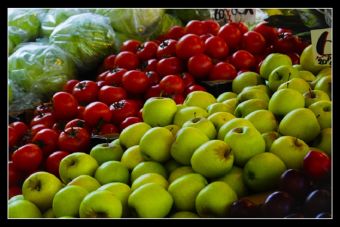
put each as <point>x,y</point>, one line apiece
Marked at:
<point>165,24</point>
<point>190,14</point>
<point>15,37</point>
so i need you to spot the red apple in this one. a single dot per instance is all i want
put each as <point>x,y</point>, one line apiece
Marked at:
<point>316,164</point>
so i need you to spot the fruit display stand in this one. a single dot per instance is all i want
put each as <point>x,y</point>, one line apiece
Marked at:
<point>170,113</point>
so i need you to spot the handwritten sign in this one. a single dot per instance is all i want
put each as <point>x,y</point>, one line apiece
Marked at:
<point>224,16</point>
<point>322,46</point>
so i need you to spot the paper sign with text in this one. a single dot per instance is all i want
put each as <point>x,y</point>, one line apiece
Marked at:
<point>224,16</point>
<point>322,46</point>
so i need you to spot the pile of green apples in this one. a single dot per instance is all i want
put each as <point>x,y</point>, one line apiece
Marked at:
<point>194,159</point>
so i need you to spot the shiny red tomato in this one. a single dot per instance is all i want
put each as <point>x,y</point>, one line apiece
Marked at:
<point>189,45</point>
<point>127,60</point>
<point>241,26</point>
<point>68,87</point>
<point>14,175</point>
<point>242,59</point>
<point>195,27</point>
<point>80,112</point>
<point>130,45</point>
<point>123,109</point>
<point>178,98</point>
<point>36,128</point>
<point>147,50</point>
<point>172,84</point>
<point>294,57</point>
<point>135,82</point>
<point>204,37</point>
<point>286,43</point>
<point>167,48</point>
<point>149,65</point>
<point>194,87</point>
<point>212,26</point>
<point>175,32</point>
<point>114,77</point>
<point>78,123</point>
<point>129,121</point>
<point>253,42</point>
<point>216,47</point>
<point>12,137</point>
<point>43,118</point>
<point>199,66</point>
<point>110,94</point>
<point>53,161</point>
<point>65,106</point>
<point>20,128</point>
<point>154,78</point>
<point>58,127</point>
<point>27,158</point>
<point>85,91</point>
<point>74,139</point>
<point>100,84</point>
<point>109,62</point>
<point>107,129</point>
<point>222,71</point>
<point>268,32</point>
<point>188,79</point>
<point>47,140</point>
<point>96,113</point>
<point>171,65</point>
<point>153,91</point>
<point>231,34</point>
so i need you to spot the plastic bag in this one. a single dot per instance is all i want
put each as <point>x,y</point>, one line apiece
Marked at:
<point>15,37</point>
<point>36,71</point>
<point>121,38</point>
<point>87,38</point>
<point>165,24</point>
<point>186,15</point>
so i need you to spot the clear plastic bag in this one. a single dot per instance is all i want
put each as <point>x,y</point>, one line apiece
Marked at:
<point>166,22</point>
<point>15,37</point>
<point>185,15</point>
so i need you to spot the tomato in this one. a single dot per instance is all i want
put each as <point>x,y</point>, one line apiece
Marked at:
<point>269,33</point>
<point>12,137</point>
<point>242,59</point>
<point>96,113</point>
<point>114,77</point>
<point>14,175</point>
<point>253,42</point>
<point>68,87</point>
<point>100,84</point>
<point>171,65</point>
<point>153,77</point>
<point>175,32</point>
<point>36,128</point>
<point>194,87</point>
<point>199,66</point>
<point>222,71</point>
<point>74,139</point>
<point>188,79</point>
<point>283,30</point>
<point>129,121</point>
<point>295,58</point>
<point>109,62</point>
<point>154,91</point>
<point>178,98</point>
<point>107,129</point>
<point>65,106</point>
<point>216,47</point>
<point>135,82</point>
<point>13,191</point>
<point>286,43</point>
<point>127,60</point>
<point>58,127</point>
<point>189,45</point>
<point>53,161</point>
<point>110,94</point>
<point>78,123</point>
<point>43,108</point>
<point>149,65</point>
<point>167,48</point>
<point>102,76</point>
<point>301,45</point>
<point>241,26</point>
<point>205,37</point>
<point>195,27</point>
<point>123,109</point>
<point>211,26</point>
<point>147,50</point>
<point>231,34</point>
<point>172,84</point>
<point>20,128</point>
<point>27,158</point>
<point>80,114</point>
<point>47,140</point>
<point>85,91</point>
<point>43,118</point>
<point>130,45</point>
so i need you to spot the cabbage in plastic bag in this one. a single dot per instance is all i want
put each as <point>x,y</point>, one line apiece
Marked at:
<point>166,23</point>
<point>36,71</point>
<point>121,38</point>
<point>15,37</point>
<point>186,15</point>
<point>86,37</point>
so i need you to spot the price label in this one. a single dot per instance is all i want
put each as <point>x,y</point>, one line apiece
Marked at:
<point>322,46</point>
<point>224,16</point>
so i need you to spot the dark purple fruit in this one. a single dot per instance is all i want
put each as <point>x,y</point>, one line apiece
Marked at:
<point>295,215</point>
<point>278,205</point>
<point>324,215</point>
<point>295,183</point>
<point>316,202</point>
<point>243,208</point>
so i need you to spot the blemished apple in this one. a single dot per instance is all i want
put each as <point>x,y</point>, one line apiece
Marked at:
<point>132,157</point>
<point>104,152</point>
<point>290,150</point>
<point>23,209</point>
<point>150,201</point>
<point>40,188</point>
<point>296,84</point>
<point>188,113</point>
<point>226,96</point>
<point>49,214</point>
<point>263,120</point>
<point>203,124</point>
<point>131,135</point>
<point>252,93</point>
<point>233,123</point>
<point>76,164</point>
<point>66,202</point>
<point>171,165</point>
<point>313,96</point>
<point>234,178</point>
<point>272,61</point>
<point>219,107</point>
<point>249,106</point>
<point>281,75</point>
<point>173,129</point>
<point>306,75</point>
<point>285,100</point>
<point>149,178</point>
<point>323,112</point>
<point>199,98</point>
<point>300,123</point>
<point>214,200</point>
<point>307,61</point>
<point>245,142</point>
<point>263,171</point>
<point>159,111</point>
<point>325,84</point>
<point>324,141</point>
<point>112,171</point>
<point>269,138</point>
<point>220,118</point>
<point>188,139</point>
<point>100,204</point>
<point>85,181</point>
<point>212,159</point>
<point>178,172</point>
<point>185,189</point>
<point>148,167</point>
<point>184,214</point>
<point>244,80</point>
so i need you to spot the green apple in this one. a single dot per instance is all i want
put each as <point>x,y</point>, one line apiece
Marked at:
<point>156,144</point>
<point>262,87</point>
<point>220,118</point>
<point>271,62</point>
<point>296,84</point>
<point>307,61</point>
<point>15,198</point>
<point>76,164</point>
<point>85,181</point>
<point>171,165</point>
<point>253,93</point>
<point>285,100</point>
<point>132,157</point>
<point>219,107</point>
<point>233,123</point>
<point>244,80</point>
<point>112,171</point>
<point>49,214</point>
<point>234,178</point>
<point>325,84</point>
<point>149,178</point>
<point>23,209</point>
<point>269,138</point>
<point>249,106</point>
<point>212,159</point>
<point>323,112</point>
<point>188,139</point>
<point>150,201</point>
<point>173,129</point>
<point>40,188</point>
<point>178,172</point>
<point>298,67</point>
<point>199,98</point>
<point>148,167</point>
<point>66,202</point>
<point>184,214</point>
<point>233,102</point>
<point>313,96</point>
<point>185,189</point>
<point>281,75</point>
<point>300,123</point>
<point>104,152</point>
<point>101,204</point>
<point>214,200</point>
<point>290,150</point>
<point>263,171</point>
<point>323,73</point>
<point>188,113</point>
<point>225,96</point>
<point>203,124</point>
<point>306,76</point>
<point>131,135</point>
<point>324,141</point>
<point>263,120</point>
<point>245,142</point>
<point>159,111</point>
